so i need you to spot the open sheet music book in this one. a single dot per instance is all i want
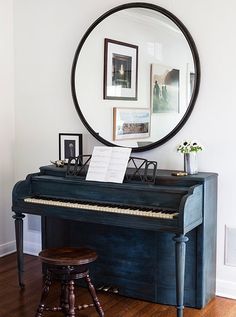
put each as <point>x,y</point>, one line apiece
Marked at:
<point>108,164</point>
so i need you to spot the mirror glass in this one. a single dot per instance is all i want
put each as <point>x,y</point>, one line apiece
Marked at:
<point>135,77</point>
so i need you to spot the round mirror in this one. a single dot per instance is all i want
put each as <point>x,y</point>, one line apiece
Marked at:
<point>135,76</point>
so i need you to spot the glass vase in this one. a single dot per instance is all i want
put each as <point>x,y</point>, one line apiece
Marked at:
<point>190,163</point>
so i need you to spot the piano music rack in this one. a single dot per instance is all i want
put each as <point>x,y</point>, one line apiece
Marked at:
<point>138,169</point>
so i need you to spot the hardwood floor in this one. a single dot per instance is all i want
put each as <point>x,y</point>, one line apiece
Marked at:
<point>22,303</point>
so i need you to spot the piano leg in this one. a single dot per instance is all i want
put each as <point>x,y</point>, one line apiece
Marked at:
<point>19,246</point>
<point>180,247</point>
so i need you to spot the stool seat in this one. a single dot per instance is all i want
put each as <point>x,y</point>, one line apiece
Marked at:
<point>68,256</point>
<point>67,265</point>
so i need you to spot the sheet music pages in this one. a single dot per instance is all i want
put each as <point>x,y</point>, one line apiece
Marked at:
<point>108,164</point>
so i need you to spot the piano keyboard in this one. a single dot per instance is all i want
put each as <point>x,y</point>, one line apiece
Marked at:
<point>148,212</point>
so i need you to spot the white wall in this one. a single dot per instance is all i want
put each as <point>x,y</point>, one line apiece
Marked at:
<point>7,243</point>
<point>46,36</point>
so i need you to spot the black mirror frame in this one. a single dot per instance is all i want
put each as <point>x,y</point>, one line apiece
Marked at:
<point>195,60</point>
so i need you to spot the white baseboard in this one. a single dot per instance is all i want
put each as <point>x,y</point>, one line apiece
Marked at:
<point>226,289</point>
<point>7,248</point>
<point>32,248</point>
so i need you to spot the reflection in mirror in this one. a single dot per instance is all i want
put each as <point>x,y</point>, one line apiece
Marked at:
<point>134,78</point>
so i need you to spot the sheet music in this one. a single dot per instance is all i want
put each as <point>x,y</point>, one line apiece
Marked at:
<point>108,164</point>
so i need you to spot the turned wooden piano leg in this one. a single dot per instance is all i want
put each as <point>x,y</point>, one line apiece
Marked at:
<point>19,246</point>
<point>180,250</point>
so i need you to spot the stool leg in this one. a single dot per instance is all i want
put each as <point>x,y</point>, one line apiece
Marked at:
<point>71,299</point>
<point>94,296</point>
<point>44,295</point>
<point>64,303</point>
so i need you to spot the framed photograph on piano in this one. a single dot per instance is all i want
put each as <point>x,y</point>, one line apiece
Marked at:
<point>70,145</point>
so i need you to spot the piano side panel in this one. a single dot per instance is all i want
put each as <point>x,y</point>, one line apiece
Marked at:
<point>139,263</point>
<point>206,233</point>
<point>207,243</point>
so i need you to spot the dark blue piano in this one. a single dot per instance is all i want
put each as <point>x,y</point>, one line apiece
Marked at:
<point>156,242</point>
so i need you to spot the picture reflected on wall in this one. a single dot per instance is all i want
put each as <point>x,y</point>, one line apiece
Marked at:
<point>120,70</point>
<point>131,123</point>
<point>164,89</point>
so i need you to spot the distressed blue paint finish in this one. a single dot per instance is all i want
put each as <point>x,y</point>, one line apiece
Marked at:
<point>136,254</point>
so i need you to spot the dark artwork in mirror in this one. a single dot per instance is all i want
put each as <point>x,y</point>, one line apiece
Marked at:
<point>120,70</point>
<point>157,40</point>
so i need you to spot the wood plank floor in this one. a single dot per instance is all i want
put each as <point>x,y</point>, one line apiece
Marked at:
<point>22,303</point>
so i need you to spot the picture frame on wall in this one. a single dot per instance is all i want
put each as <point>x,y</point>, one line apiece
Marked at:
<point>164,89</point>
<point>120,70</point>
<point>70,145</point>
<point>131,123</point>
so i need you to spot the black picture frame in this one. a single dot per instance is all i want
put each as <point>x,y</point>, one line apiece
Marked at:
<point>120,70</point>
<point>70,145</point>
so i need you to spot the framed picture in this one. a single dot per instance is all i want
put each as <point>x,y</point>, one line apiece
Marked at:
<point>120,70</point>
<point>70,145</point>
<point>164,89</point>
<point>190,80</point>
<point>131,123</point>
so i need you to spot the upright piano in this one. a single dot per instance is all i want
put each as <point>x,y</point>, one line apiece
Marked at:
<point>156,242</point>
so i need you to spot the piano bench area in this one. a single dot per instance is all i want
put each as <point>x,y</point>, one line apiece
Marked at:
<point>67,265</point>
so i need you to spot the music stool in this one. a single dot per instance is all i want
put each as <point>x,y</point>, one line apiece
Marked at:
<point>67,265</point>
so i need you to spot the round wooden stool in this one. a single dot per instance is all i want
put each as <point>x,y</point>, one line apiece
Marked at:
<point>67,265</point>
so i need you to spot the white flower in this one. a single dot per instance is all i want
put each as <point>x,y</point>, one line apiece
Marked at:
<point>189,147</point>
